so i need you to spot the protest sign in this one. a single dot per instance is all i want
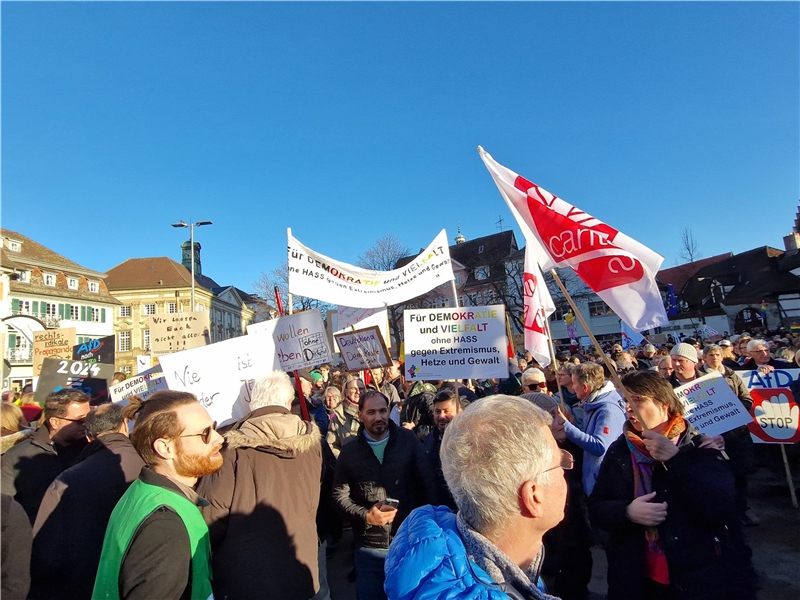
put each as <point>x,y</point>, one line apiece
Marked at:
<point>59,373</point>
<point>586,341</point>
<point>299,339</point>
<point>711,406</point>
<point>463,343</point>
<point>363,349</point>
<point>96,351</point>
<point>52,343</point>
<point>220,375</point>
<point>769,387</point>
<point>178,331</point>
<point>141,385</point>
<point>348,319</point>
<point>317,276</point>
<point>143,363</point>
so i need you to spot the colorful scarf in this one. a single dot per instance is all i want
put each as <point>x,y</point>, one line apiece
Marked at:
<point>643,465</point>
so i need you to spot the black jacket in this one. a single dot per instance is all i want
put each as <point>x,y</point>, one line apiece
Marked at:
<point>361,481</point>
<point>15,538</point>
<point>72,520</point>
<point>432,445</point>
<point>704,550</point>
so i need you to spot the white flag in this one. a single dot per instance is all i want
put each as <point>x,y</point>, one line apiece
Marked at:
<point>538,307</point>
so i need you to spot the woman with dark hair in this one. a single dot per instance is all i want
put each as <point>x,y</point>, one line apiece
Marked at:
<point>666,497</point>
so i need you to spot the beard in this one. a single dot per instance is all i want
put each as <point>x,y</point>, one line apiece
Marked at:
<point>197,465</point>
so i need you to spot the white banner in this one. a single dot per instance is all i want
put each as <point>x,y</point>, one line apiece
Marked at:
<point>462,343</point>
<point>317,276</point>
<point>142,385</point>
<point>298,340</point>
<point>349,319</point>
<point>221,375</point>
<point>711,406</point>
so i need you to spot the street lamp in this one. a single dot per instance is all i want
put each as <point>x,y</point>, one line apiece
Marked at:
<point>191,227</point>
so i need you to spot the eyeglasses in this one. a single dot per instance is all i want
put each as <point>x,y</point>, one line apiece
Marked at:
<point>204,435</point>
<point>567,462</point>
<point>539,384</point>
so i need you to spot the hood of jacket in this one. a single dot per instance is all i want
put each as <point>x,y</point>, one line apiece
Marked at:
<point>11,440</point>
<point>607,394</point>
<point>276,430</point>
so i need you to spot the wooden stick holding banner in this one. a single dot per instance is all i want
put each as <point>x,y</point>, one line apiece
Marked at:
<point>789,476</point>
<point>552,363</point>
<point>455,293</point>
<point>298,386</point>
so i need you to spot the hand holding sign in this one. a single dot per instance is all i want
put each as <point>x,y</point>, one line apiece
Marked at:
<point>778,417</point>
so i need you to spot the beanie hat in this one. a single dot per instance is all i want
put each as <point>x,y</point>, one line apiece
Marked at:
<point>543,401</point>
<point>316,376</point>
<point>687,351</point>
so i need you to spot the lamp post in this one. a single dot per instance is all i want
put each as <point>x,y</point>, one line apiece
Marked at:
<point>191,227</point>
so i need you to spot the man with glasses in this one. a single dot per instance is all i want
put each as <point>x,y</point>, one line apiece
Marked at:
<point>344,421</point>
<point>760,359</point>
<point>31,466</point>
<point>157,543</point>
<point>533,380</point>
<point>506,474</point>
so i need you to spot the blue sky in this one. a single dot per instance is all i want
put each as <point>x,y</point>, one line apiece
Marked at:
<point>346,121</point>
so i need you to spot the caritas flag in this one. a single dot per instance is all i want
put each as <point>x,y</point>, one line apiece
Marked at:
<point>617,268</point>
<point>538,307</point>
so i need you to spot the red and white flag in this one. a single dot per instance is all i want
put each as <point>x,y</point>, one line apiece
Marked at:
<point>538,307</point>
<point>617,268</point>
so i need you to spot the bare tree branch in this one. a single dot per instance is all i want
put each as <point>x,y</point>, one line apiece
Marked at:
<point>690,249</point>
<point>383,254</point>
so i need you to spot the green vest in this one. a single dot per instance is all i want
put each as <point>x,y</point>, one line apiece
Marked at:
<point>139,502</point>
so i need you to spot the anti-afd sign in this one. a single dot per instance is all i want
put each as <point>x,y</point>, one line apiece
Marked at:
<point>96,351</point>
<point>52,343</point>
<point>711,406</point>
<point>297,340</point>
<point>455,343</point>
<point>220,375</point>
<point>176,332</point>
<point>59,373</point>
<point>363,349</point>
<point>141,385</point>
<point>775,412</point>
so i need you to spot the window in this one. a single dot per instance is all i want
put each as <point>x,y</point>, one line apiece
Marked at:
<point>149,309</point>
<point>20,307</point>
<point>51,310</point>
<point>94,315</point>
<point>94,287</point>
<point>199,307</point>
<point>480,249</point>
<point>72,283</point>
<point>482,273</point>
<point>127,370</point>
<point>24,276</point>
<point>145,339</point>
<point>74,313</point>
<point>124,311</point>
<point>49,280</point>
<point>14,246</point>
<point>560,312</point>
<point>124,341</point>
<point>172,307</point>
<point>598,308</point>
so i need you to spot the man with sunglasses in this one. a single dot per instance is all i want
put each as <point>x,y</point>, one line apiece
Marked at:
<point>157,543</point>
<point>533,380</point>
<point>32,465</point>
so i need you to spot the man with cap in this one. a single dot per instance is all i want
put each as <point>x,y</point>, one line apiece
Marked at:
<point>314,402</point>
<point>644,358</point>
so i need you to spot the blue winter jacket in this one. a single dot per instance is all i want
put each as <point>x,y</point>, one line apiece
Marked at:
<point>428,561</point>
<point>605,416</point>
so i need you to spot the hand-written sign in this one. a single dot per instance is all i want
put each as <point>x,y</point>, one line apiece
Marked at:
<point>455,343</point>
<point>59,373</point>
<point>711,406</point>
<point>141,385</point>
<point>363,349</point>
<point>101,351</point>
<point>52,343</point>
<point>178,331</point>
<point>299,339</point>
<point>775,412</point>
<point>220,375</point>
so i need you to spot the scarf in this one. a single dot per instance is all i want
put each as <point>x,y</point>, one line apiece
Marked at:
<point>643,465</point>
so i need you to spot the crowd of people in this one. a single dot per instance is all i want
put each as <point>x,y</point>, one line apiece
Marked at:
<point>452,489</point>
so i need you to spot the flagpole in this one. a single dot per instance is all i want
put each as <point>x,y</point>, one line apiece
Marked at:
<point>788,475</point>
<point>553,362</point>
<point>611,367</point>
<point>455,293</point>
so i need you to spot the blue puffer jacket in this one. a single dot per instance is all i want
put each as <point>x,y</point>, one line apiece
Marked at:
<point>428,561</point>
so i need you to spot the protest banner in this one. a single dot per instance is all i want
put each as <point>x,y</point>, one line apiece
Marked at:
<point>766,386</point>
<point>141,385</point>
<point>52,343</point>
<point>348,319</point>
<point>59,373</point>
<point>299,340</point>
<point>363,349</point>
<point>177,332</point>
<point>317,276</point>
<point>711,406</point>
<point>96,351</point>
<point>463,343</point>
<point>143,363</point>
<point>220,375</point>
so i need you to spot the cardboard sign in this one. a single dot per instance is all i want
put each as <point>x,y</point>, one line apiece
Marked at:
<point>455,343</point>
<point>363,349</point>
<point>298,340</point>
<point>221,375</point>
<point>96,351</point>
<point>52,343</point>
<point>59,373</point>
<point>141,385</point>
<point>348,319</point>
<point>711,406</point>
<point>177,332</point>
<point>769,387</point>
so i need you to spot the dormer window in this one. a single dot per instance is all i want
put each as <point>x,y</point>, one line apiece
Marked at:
<point>24,276</point>
<point>14,246</point>
<point>94,287</point>
<point>480,249</point>
<point>49,279</point>
<point>72,283</point>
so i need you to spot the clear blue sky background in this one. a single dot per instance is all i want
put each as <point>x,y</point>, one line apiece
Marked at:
<point>346,121</point>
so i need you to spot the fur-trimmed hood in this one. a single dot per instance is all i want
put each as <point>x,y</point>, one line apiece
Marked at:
<point>11,440</point>
<point>275,430</point>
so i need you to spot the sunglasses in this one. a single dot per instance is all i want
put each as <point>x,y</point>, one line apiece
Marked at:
<point>204,435</point>
<point>567,462</point>
<point>539,384</point>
